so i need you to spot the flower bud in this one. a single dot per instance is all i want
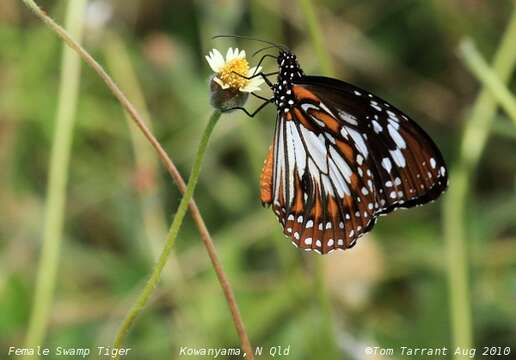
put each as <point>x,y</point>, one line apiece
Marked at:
<point>225,99</point>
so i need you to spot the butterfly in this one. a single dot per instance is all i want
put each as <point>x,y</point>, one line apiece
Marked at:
<point>340,158</point>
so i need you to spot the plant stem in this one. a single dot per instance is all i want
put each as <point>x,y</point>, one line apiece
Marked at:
<point>316,36</point>
<point>454,204</point>
<point>171,237</point>
<point>488,77</point>
<point>167,162</point>
<point>57,181</point>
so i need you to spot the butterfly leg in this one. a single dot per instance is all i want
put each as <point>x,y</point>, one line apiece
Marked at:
<point>267,102</point>
<point>263,58</point>
<point>260,97</point>
<point>263,75</point>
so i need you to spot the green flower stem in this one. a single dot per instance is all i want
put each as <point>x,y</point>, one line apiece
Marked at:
<point>172,235</point>
<point>488,77</point>
<point>57,180</point>
<point>454,205</point>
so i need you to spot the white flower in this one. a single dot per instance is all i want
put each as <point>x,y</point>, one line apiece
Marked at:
<point>232,72</point>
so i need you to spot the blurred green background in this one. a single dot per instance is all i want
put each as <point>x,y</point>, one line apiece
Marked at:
<point>390,290</point>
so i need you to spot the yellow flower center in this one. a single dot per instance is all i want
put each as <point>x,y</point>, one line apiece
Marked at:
<point>232,73</point>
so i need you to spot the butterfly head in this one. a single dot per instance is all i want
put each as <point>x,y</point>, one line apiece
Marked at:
<point>289,67</point>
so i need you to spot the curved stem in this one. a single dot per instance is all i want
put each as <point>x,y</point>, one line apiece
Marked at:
<point>171,237</point>
<point>167,162</point>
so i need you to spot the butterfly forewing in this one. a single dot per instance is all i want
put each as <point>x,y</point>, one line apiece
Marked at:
<point>408,167</point>
<point>341,157</point>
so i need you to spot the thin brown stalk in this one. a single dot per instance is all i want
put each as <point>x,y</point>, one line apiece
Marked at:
<point>169,165</point>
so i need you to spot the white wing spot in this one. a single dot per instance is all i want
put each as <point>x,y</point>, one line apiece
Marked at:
<point>348,117</point>
<point>376,107</point>
<point>386,163</point>
<point>377,127</point>
<point>306,106</point>
<point>359,141</point>
<point>325,108</point>
<point>398,157</point>
<point>395,135</point>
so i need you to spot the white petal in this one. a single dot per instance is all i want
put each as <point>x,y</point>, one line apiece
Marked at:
<point>211,63</point>
<point>251,86</point>
<point>242,54</point>
<point>216,60</point>
<point>257,81</point>
<point>230,55</point>
<point>247,89</point>
<point>253,71</point>
<point>254,83</point>
<point>221,83</point>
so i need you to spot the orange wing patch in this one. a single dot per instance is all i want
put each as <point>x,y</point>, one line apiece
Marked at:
<point>303,94</point>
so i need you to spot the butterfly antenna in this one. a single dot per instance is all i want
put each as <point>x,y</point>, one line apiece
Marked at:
<point>281,47</point>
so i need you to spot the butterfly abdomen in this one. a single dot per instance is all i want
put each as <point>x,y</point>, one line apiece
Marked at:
<point>266,179</point>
